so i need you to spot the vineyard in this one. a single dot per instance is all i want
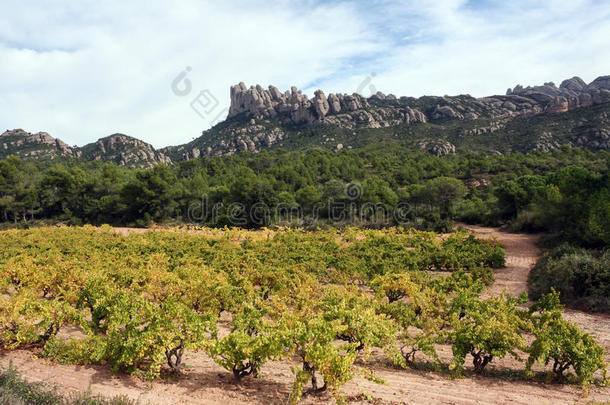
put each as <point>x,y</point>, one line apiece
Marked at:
<point>322,300</point>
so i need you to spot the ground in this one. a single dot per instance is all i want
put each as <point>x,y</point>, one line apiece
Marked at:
<point>204,382</point>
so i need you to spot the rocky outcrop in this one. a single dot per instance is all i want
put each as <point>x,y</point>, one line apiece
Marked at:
<point>601,83</point>
<point>445,112</point>
<point>437,147</point>
<point>261,118</point>
<point>546,142</point>
<point>251,138</point>
<point>124,151</point>
<point>34,145</point>
<point>379,110</point>
<point>572,93</point>
<point>295,107</point>
<point>121,149</point>
<point>595,139</point>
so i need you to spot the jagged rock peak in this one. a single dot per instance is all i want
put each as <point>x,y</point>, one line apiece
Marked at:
<point>569,87</point>
<point>601,83</point>
<point>27,144</point>
<point>574,84</point>
<point>125,151</point>
<point>255,101</point>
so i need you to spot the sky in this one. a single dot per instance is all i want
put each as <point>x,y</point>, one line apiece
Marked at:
<point>161,71</point>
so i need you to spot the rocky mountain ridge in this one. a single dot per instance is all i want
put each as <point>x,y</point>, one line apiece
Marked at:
<point>28,145</point>
<point>538,118</point>
<point>118,148</point>
<point>261,118</point>
<point>256,102</point>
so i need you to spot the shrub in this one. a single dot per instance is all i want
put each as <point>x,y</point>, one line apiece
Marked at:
<point>563,343</point>
<point>14,390</point>
<point>252,341</point>
<point>487,329</point>
<point>581,276</point>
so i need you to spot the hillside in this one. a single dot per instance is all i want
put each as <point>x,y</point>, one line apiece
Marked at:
<point>118,148</point>
<point>123,150</point>
<point>525,119</point>
<point>34,146</point>
<point>539,118</point>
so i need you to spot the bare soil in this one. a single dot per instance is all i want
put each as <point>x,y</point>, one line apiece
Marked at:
<point>204,382</point>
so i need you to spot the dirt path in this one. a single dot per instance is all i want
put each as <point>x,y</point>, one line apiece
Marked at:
<point>521,256</point>
<point>205,382</point>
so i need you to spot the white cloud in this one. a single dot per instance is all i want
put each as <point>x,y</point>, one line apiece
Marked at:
<point>83,70</point>
<point>484,50</point>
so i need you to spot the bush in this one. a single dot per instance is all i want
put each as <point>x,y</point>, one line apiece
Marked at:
<point>14,390</point>
<point>252,341</point>
<point>581,276</point>
<point>563,343</point>
<point>487,329</point>
<point>495,257</point>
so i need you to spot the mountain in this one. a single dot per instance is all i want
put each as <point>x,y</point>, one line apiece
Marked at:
<point>262,118</point>
<point>124,150</point>
<point>525,119</point>
<point>39,145</point>
<point>118,148</point>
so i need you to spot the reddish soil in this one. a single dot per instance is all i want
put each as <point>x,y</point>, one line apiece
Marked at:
<point>204,382</point>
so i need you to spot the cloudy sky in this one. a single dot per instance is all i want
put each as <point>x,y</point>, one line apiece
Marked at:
<point>85,69</point>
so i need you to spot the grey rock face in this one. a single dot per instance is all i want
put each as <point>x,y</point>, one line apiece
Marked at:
<point>445,112</point>
<point>601,83</point>
<point>321,104</point>
<point>575,84</point>
<point>40,145</point>
<point>294,106</point>
<point>121,149</point>
<point>125,151</point>
<point>334,103</point>
<point>572,93</point>
<point>437,147</point>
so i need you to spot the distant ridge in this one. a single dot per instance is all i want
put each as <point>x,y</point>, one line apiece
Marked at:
<point>118,148</point>
<point>538,118</point>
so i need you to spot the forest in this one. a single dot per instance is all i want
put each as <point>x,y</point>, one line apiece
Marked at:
<point>564,193</point>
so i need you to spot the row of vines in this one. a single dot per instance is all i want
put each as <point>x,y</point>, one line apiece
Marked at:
<point>323,300</point>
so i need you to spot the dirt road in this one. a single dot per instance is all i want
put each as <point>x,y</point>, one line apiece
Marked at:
<point>206,383</point>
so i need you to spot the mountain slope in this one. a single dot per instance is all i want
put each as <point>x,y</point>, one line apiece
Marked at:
<point>260,119</point>
<point>123,150</point>
<point>28,145</point>
<point>118,148</point>
<point>527,119</point>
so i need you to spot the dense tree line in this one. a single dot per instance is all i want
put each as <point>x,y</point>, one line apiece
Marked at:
<point>567,191</point>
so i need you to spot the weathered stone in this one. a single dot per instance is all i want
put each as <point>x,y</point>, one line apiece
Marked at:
<point>444,112</point>
<point>334,103</point>
<point>320,103</point>
<point>437,147</point>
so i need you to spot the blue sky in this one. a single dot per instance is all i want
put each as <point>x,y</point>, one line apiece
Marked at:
<point>83,70</point>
